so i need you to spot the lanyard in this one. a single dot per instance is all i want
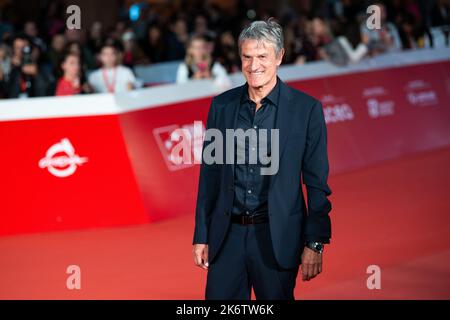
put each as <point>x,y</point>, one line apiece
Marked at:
<point>110,86</point>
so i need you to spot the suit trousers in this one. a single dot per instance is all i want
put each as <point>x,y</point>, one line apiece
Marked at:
<point>245,261</point>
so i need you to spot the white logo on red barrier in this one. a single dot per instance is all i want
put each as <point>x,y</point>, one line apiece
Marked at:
<point>380,108</point>
<point>62,165</point>
<point>420,93</point>
<point>377,107</point>
<point>338,113</point>
<point>336,109</point>
<point>191,132</point>
<point>423,98</point>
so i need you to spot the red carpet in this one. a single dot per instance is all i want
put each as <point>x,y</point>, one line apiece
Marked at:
<point>395,215</point>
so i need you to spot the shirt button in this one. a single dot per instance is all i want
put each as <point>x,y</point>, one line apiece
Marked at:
<point>247,212</point>
<point>251,170</point>
<point>249,191</point>
<point>255,127</point>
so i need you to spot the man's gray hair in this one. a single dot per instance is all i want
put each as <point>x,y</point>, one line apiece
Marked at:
<point>269,31</point>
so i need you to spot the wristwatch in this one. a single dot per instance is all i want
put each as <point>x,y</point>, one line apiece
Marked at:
<point>315,246</point>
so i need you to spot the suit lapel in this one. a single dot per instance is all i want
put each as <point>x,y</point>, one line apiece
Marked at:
<point>231,115</point>
<point>232,109</point>
<point>283,122</point>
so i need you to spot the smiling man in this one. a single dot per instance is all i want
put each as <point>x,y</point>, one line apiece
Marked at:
<point>254,230</point>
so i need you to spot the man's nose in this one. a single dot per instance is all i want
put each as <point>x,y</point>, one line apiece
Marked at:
<point>254,64</point>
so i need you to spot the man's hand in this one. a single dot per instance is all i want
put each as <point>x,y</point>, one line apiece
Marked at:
<point>311,264</point>
<point>200,252</point>
<point>30,69</point>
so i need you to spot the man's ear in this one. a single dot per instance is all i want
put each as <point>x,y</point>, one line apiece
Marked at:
<point>280,56</point>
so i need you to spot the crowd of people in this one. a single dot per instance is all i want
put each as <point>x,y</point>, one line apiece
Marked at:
<point>45,58</point>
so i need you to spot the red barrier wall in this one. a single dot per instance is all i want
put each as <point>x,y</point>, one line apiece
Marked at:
<point>102,191</point>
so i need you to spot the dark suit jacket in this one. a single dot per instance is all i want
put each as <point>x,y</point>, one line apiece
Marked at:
<point>303,155</point>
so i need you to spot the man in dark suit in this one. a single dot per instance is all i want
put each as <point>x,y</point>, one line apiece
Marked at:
<point>253,229</point>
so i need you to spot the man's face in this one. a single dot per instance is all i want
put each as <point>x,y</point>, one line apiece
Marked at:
<point>180,27</point>
<point>259,62</point>
<point>58,42</point>
<point>31,29</point>
<point>18,46</point>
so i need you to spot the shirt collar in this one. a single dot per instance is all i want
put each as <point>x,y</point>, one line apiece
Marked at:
<point>272,96</point>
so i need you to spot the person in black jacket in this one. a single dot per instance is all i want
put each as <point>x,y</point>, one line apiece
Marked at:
<point>27,78</point>
<point>252,226</point>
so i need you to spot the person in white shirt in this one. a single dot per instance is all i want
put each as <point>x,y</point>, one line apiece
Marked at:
<point>111,77</point>
<point>199,64</point>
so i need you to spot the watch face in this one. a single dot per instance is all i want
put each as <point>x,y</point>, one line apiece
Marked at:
<point>318,247</point>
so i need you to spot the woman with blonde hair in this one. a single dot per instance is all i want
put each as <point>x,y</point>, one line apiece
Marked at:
<point>199,64</point>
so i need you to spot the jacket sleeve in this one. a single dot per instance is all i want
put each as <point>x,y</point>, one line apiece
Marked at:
<point>208,187</point>
<point>315,175</point>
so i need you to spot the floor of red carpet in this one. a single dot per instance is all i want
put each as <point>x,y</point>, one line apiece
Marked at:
<point>395,215</point>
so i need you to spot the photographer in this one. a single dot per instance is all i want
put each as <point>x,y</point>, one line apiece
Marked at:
<point>26,78</point>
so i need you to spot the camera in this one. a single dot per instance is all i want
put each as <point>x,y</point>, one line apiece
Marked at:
<point>26,55</point>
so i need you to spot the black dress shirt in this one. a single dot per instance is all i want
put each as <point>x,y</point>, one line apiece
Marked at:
<point>250,187</point>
